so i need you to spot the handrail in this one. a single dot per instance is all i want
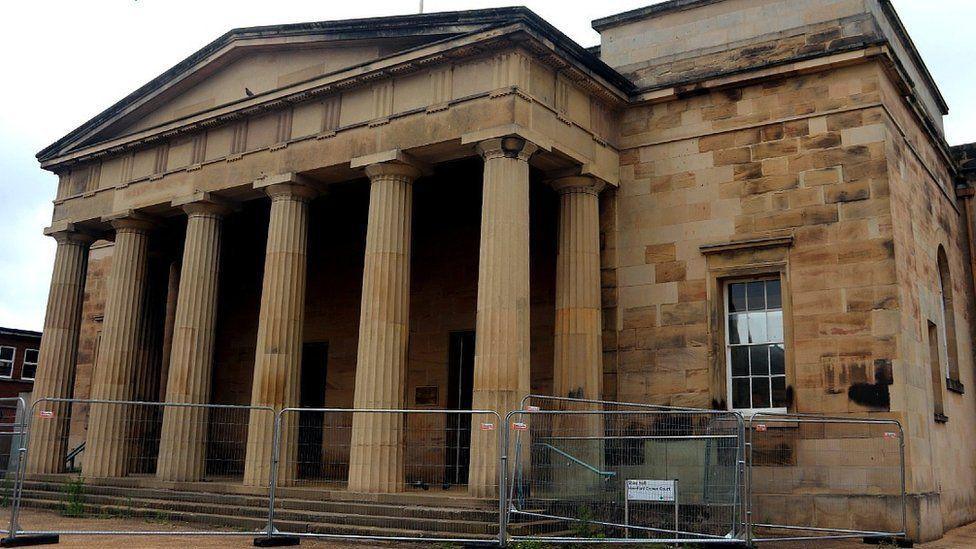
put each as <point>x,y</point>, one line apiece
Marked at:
<point>70,458</point>
<point>577,461</point>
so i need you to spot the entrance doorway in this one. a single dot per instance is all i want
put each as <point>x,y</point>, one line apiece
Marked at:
<point>315,366</point>
<point>460,385</point>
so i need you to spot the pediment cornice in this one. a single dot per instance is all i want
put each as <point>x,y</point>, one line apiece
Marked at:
<point>609,87</point>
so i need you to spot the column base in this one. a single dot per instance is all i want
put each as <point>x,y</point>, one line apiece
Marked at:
<point>276,540</point>
<point>28,541</point>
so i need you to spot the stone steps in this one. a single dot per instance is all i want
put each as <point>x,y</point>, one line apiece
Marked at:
<point>249,512</point>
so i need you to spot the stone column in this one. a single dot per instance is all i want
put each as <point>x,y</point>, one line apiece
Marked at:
<point>107,445</point>
<point>578,354</point>
<point>577,364</point>
<point>59,349</point>
<point>182,445</point>
<point>501,356</point>
<point>278,356</point>
<point>376,453</point>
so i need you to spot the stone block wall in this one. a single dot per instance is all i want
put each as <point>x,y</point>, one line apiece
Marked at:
<point>930,218</point>
<point>792,173</point>
<point>828,182</point>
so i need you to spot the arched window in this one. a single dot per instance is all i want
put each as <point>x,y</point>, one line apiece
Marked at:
<point>948,323</point>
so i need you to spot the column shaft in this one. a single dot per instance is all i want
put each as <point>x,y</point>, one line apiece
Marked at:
<point>59,349</point>
<point>182,447</point>
<point>376,454</point>
<point>501,361</point>
<point>577,364</point>
<point>277,361</point>
<point>577,370</point>
<point>107,445</point>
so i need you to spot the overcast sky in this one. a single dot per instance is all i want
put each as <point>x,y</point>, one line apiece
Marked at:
<point>65,61</point>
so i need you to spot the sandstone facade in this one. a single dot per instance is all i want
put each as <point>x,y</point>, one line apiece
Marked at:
<point>808,152</point>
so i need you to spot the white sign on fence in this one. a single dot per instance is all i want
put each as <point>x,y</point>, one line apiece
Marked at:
<point>650,490</point>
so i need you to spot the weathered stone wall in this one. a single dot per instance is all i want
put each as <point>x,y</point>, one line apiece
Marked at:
<point>99,264</point>
<point>677,43</point>
<point>826,180</point>
<point>928,216</point>
<point>799,159</point>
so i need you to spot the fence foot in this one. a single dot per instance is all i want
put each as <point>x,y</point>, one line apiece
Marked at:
<point>480,544</point>
<point>276,541</point>
<point>27,541</point>
<point>888,540</point>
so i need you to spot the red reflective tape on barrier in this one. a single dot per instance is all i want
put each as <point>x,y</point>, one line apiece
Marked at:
<point>46,413</point>
<point>761,428</point>
<point>532,408</point>
<point>519,426</point>
<point>891,435</point>
<point>487,426</point>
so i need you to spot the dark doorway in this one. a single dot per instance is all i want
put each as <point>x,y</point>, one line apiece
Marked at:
<point>315,365</point>
<point>460,384</point>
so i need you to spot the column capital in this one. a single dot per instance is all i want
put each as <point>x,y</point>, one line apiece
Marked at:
<point>131,220</point>
<point>393,169</point>
<point>203,203</point>
<point>391,163</point>
<point>577,184</point>
<point>68,233</point>
<point>507,147</point>
<point>287,186</point>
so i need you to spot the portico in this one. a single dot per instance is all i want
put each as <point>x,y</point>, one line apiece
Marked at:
<point>335,186</point>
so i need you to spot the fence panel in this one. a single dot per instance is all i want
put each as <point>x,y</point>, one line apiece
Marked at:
<point>814,477</point>
<point>146,468</point>
<point>632,474</point>
<point>370,466</point>
<point>13,412</point>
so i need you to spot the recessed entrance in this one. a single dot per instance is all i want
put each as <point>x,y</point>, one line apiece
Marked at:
<point>315,365</point>
<point>459,393</point>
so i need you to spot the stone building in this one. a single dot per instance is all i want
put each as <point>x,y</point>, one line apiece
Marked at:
<point>327,213</point>
<point>18,365</point>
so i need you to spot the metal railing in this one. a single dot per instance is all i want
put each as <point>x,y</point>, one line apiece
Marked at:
<point>13,430</point>
<point>561,470</point>
<point>392,452</point>
<point>817,477</point>
<point>628,476</point>
<point>152,446</point>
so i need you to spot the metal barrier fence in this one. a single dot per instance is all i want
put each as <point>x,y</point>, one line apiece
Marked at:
<point>13,429</point>
<point>391,452</point>
<point>561,470</point>
<point>152,447</point>
<point>815,477</point>
<point>643,475</point>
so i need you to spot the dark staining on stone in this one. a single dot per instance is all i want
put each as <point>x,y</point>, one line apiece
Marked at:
<point>882,371</point>
<point>872,395</point>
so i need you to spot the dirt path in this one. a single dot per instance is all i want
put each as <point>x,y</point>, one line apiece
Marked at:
<point>960,538</point>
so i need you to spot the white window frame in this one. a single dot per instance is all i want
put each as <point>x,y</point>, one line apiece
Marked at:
<point>24,365</point>
<point>726,285</point>
<point>13,360</point>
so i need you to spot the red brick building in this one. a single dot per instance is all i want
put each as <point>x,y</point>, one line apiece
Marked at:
<point>18,360</point>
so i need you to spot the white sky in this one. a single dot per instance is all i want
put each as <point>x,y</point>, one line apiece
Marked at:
<point>65,61</point>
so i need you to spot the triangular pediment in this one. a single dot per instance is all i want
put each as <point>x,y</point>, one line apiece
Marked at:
<point>254,72</point>
<point>255,61</point>
<point>253,68</point>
